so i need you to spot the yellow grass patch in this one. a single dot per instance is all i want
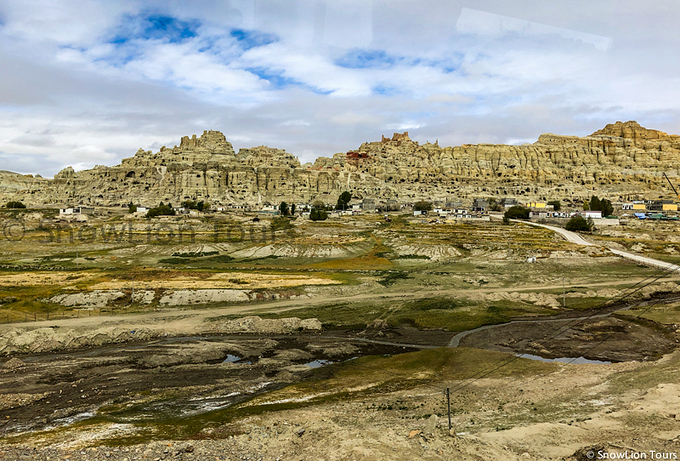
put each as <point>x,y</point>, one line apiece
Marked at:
<point>25,279</point>
<point>243,280</point>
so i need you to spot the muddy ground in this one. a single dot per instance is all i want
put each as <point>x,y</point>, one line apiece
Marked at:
<point>188,375</point>
<point>176,376</point>
<point>609,339</point>
<point>75,402</point>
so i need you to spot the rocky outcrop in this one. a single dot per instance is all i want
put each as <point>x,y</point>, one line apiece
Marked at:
<point>259,325</point>
<point>620,161</point>
<point>27,340</point>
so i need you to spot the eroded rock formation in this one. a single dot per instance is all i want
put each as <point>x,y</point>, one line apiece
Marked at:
<point>619,161</point>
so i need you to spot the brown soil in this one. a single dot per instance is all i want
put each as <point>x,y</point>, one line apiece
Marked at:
<point>605,339</point>
<point>176,371</point>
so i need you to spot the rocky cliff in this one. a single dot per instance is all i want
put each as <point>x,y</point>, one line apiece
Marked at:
<point>620,161</point>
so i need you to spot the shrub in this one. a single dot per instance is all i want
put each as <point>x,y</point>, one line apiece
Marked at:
<point>515,212</point>
<point>193,205</point>
<point>318,215</point>
<point>422,205</point>
<point>579,224</point>
<point>14,204</point>
<point>161,210</point>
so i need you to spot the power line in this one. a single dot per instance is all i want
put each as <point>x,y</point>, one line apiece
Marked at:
<point>507,361</point>
<point>499,364</point>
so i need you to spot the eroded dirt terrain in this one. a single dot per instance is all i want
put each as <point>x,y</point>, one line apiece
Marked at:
<point>177,376</point>
<point>361,371</point>
<point>603,339</point>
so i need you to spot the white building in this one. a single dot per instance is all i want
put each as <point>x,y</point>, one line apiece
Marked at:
<point>592,214</point>
<point>77,210</point>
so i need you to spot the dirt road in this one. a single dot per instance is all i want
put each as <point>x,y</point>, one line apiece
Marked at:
<point>573,237</point>
<point>193,321</point>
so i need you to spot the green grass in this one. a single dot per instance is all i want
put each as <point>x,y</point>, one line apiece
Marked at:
<point>336,316</point>
<point>457,315</point>
<point>660,313</point>
<point>440,313</point>
<point>389,278</point>
<point>412,256</point>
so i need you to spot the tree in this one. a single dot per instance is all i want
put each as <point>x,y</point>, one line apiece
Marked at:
<point>283,208</point>
<point>319,205</point>
<point>604,205</point>
<point>494,205</point>
<point>161,210</point>
<point>343,201</point>
<point>14,204</point>
<point>586,205</point>
<point>132,208</point>
<point>292,208</point>
<point>579,224</point>
<point>318,215</point>
<point>318,212</point>
<point>422,205</point>
<point>193,205</point>
<point>556,204</point>
<point>595,204</point>
<point>515,212</point>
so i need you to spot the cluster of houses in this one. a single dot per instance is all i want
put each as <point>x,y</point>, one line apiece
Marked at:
<point>650,205</point>
<point>450,208</point>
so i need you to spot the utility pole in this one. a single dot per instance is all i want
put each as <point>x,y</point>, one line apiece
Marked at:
<point>132,296</point>
<point>564,295</point>
<point>448,405</point>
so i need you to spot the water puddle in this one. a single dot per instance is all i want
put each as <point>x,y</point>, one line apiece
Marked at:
<point>231,359</point>
<point>578,360</point>
<point>322,362</point>
<point>318,363</point>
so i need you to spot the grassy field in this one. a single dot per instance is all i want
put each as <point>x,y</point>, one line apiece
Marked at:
<point>403,255</point>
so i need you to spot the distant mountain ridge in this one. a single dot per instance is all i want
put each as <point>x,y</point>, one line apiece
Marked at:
<point>620,161</point>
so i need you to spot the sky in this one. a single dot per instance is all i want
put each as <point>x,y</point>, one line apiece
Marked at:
<point>88,82</point>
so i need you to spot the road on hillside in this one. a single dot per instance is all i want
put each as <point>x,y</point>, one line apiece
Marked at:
<point>573,237</point>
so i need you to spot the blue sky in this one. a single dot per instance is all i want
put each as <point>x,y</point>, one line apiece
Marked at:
<point>89,82</point>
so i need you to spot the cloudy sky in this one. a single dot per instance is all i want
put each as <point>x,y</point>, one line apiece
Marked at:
<point>86,82</point>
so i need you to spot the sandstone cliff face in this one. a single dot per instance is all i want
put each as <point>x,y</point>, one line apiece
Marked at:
<point>620,161</point>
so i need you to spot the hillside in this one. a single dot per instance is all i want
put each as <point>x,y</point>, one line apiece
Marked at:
<point>620,161</point>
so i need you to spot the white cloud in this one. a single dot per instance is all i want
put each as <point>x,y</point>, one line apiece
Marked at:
<point>353,118</point>
<point>61,21</point>
<point>502,73</point>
